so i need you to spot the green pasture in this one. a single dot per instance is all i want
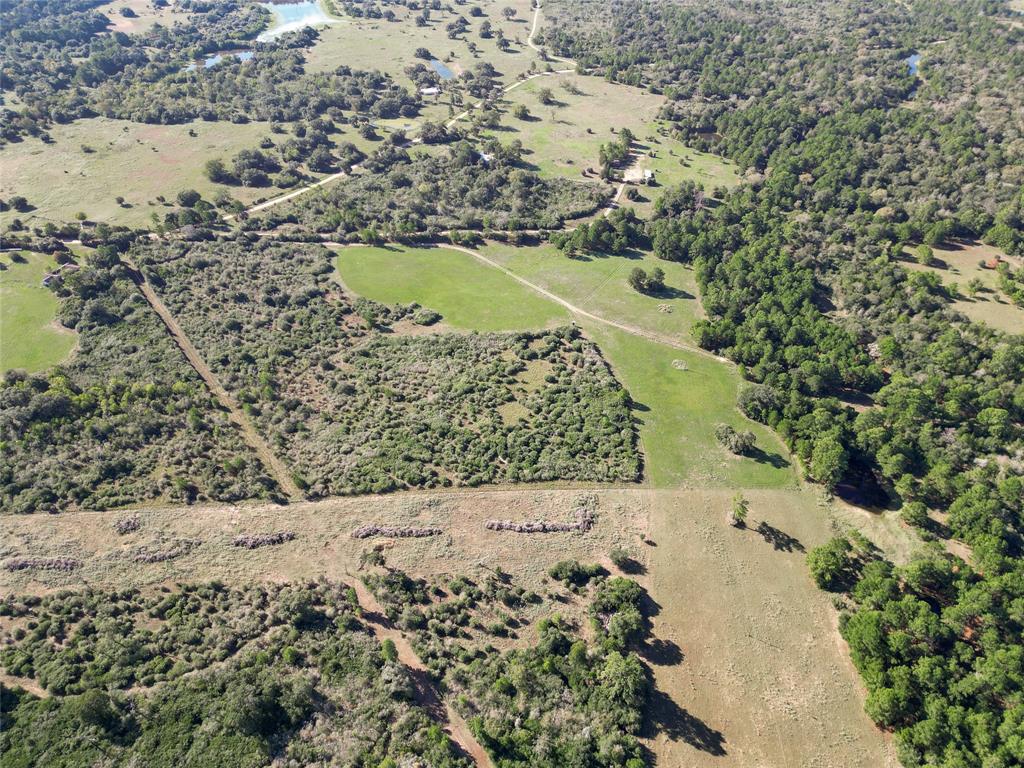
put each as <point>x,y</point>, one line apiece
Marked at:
<point>680,396</point>
<point>29,338</point>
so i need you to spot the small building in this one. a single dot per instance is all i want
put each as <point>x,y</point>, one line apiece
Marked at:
<point>430,91</point>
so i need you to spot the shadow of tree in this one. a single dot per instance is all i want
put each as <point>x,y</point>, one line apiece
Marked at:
<point>763,457</point>
<point>678,724</point>
<point>661,653</point>
<point>780,540</point>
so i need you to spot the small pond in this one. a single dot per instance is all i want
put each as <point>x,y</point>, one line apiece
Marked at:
<point>289,17</point>
<point>442,70</point>
<point>913,62</point>
<point>216,58</point>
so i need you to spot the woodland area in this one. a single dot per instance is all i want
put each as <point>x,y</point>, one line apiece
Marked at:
<point>356,406</point>
<point>463,189</point>
<point>125,420</point>
<point>822,310</point>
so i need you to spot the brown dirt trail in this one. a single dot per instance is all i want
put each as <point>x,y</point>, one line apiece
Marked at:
<point>273,464</point>
<point>427,696</point>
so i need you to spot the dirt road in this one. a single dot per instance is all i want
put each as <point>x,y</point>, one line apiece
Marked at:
<point>630,329</point>
<point>273,464</point>
<point>427,696</point>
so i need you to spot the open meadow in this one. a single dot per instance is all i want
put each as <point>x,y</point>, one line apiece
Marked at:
<point>962,262</point>
<point>142,15</point>
<point>30,337</point>
<point>390,46</point>
<point>92,162</point>
<point>563,137</point>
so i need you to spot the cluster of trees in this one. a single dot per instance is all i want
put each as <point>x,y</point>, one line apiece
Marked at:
<point>1011,282</point>
<point>288,669</point>
<point>559,700</point>
<point>938,647</point>
<point>615,233</point>
<point>734,441</point>
<point>272,86</point>
<point>615,153</point>
<point>284,162</point>
<point>125,420</point>
<point>651,283</point>
<point>460,189</point>
<point>355,410</point>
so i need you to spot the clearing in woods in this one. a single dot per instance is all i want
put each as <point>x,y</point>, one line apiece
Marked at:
<point>563,138</point>
<point>679,395</point>
<point>961,262</point>
<point>31,338</point>
<point>92,162</point>
<point>390,46</point>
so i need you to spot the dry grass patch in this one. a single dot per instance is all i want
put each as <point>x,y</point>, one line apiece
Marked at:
<point>962,262</point>
<point>135,161</point>
<point>323,543</point>
<point>147,15</point>
<point>747,643</point>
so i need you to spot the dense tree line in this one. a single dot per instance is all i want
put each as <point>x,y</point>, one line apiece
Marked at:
<point>938,646</point>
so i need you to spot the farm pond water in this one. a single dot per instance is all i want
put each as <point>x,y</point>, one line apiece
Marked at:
<point>289,17</point>
<point>442,70</point>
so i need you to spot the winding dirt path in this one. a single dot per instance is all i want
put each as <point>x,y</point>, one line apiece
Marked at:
<point>273,464</point>
<point>427,696</point>
<point>630,329</point>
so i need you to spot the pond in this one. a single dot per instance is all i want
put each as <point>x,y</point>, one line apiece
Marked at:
<point>913,62</point>
<point>442,70</point>
<point>217,58</point>
<point>289,17</point>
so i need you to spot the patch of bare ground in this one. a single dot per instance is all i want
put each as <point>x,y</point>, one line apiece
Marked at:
<point>323,545</point>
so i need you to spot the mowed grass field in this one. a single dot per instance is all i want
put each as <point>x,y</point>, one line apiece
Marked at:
<point>29,336</point>
<point>960,262</point>
<point>598,283</point>
<point>132,160</point>
<point>680,395</point>
<point>469,295</point>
